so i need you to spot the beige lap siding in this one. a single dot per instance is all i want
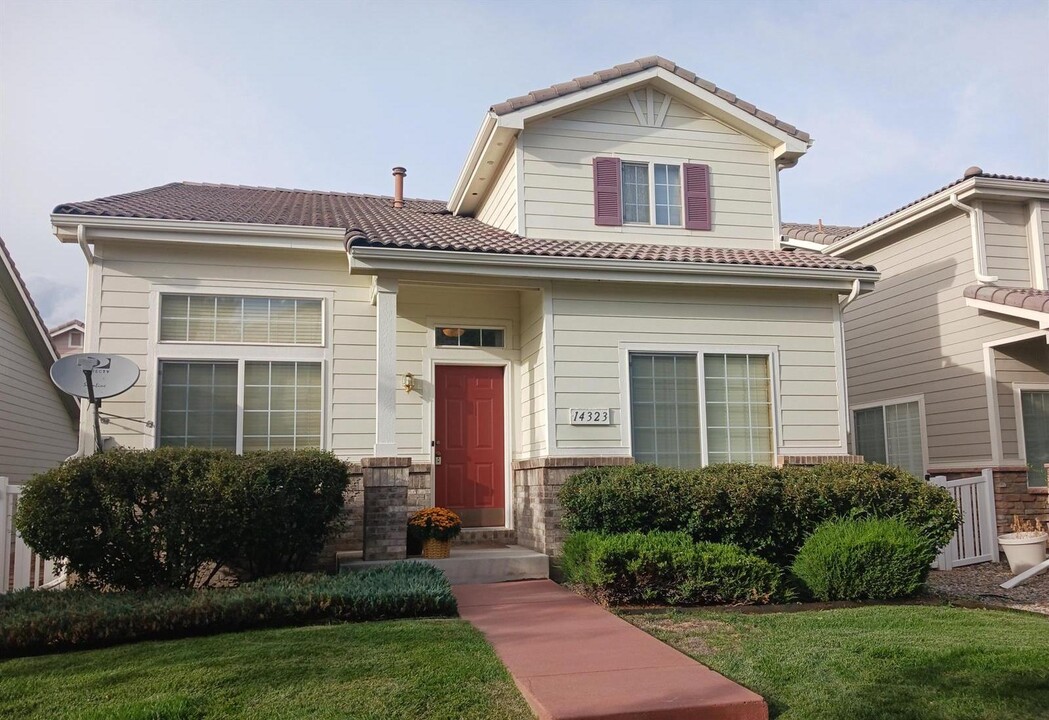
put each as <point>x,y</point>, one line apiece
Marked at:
<point>558,174</point>
<point>1025,363</point>
<point>36,432</point>
<point>593,321</point>
<point>1008,247</point>
<point>915,335</point>
<point>533,376</point>
<point>127,273</point>
<point>500,206</point>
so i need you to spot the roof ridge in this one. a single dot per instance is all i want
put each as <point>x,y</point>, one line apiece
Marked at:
<point>599,77</point>
<point>340,193</point>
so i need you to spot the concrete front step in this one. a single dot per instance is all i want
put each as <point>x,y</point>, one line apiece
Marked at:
<point>485,536</point>
<point>470,566</point>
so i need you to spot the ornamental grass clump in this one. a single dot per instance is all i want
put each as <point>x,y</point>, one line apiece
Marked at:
<point>435,523</point>
<point>868,559</point>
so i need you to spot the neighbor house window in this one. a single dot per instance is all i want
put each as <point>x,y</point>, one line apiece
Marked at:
<point>469,337</point>
<point>891,434</point>
<point>248,320</point>
<point>666,399</point>
<point>240,392</point>
<point>651,190</point>
<point>1034,413</point>
<point>76,339</point>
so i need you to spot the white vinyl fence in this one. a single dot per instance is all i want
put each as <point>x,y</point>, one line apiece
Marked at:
<point>977,538</point>
<point>20,567</point>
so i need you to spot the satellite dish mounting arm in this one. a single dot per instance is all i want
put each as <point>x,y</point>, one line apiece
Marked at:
<point>98,406</point>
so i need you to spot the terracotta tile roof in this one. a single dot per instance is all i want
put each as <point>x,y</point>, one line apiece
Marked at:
<point>372,221</point>
<point>1020,298</point>
<point>602,76</point>
<point>821,234</point>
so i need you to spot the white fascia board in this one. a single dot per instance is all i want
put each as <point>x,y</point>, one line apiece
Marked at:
<point>298,237</point>
<point>977,187</point>
<point>1039,317</point>
<point>473,159</point>
<point>780,141</point>
<point>372,260</point>
<point>802,244</point>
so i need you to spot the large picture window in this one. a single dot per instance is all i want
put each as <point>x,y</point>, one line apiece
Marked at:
<point>282,404</point>
<point>668,405</point>
<point>891,434</point>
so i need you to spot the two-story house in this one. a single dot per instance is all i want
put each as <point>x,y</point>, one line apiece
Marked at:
<point>606,282</point>
<point>948,360</point>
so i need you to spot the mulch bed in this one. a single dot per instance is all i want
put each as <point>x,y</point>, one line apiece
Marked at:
<point>981,584</point>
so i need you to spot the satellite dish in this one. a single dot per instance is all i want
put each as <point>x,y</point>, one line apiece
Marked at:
<point>108,375</point>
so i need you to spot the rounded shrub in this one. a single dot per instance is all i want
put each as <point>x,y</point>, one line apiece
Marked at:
<point>666,567</point>
<point>765,510</point>
<point>868,559</point>
<point>171,517</point>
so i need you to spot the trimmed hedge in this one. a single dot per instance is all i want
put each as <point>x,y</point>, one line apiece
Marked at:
<point>33,622</point>
<point>667,567</point>
<point>764,510</point>
<point>171,517</point>
<point>872,559</point>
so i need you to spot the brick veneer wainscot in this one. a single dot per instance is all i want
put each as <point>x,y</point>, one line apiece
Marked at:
<point>537,513</point>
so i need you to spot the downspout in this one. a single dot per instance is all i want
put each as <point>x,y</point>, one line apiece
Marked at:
<point>855,293</point>
<point>81,240</point>
<point>976,231</point>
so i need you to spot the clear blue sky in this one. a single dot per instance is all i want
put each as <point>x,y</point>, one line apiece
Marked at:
<point>98,98</point>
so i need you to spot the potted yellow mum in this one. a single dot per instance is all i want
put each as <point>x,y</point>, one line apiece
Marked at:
<point>435,527</point>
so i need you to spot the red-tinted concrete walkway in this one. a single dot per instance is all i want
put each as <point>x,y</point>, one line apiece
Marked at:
<point>573,659</point>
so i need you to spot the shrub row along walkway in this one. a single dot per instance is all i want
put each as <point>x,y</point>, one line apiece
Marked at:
<point>572,659</point>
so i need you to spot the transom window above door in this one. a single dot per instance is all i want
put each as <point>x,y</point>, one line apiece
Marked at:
<point>448,336</point>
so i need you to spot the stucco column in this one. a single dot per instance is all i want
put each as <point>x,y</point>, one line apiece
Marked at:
<point>385,367</point>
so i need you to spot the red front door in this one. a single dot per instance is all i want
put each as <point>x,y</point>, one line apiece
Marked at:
<point>469,451</point>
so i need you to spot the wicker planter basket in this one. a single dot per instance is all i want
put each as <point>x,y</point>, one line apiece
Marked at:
<point>436,549</point>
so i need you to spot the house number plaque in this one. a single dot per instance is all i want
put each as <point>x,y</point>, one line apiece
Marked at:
<point>601,416</point>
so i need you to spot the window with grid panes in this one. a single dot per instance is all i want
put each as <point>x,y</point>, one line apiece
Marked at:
<point>232,319</point>
<point>891,434</point>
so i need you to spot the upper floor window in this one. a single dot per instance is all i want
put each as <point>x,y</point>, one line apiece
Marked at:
<point>891,434</point>
<point>643,193</point>
<point>651,192</point>
<point>76,339</point>
<point>233,319</point>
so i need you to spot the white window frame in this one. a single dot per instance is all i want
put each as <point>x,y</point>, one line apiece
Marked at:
<point>158,352</point>
<point>923,425</point>
<point>701,351</point>
<point>264,295</point>
<point>73,334</point>
<point>651,163</point>
<point>471,326</point>
<point>1021,440</point>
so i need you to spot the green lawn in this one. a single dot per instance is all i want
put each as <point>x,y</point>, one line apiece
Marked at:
<point>873,663</point>
<point>395,669</point>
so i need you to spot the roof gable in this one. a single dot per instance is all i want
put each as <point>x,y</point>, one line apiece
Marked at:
<point>14,288</point>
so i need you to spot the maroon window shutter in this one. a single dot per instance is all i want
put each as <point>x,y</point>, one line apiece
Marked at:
<point>608,210</point>
<point>697,197</point>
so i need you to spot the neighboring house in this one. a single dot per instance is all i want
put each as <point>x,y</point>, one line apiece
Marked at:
<point>948,360</point>
<point>68,338</point>
<point>605,283</point>
<point>37,421</point>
